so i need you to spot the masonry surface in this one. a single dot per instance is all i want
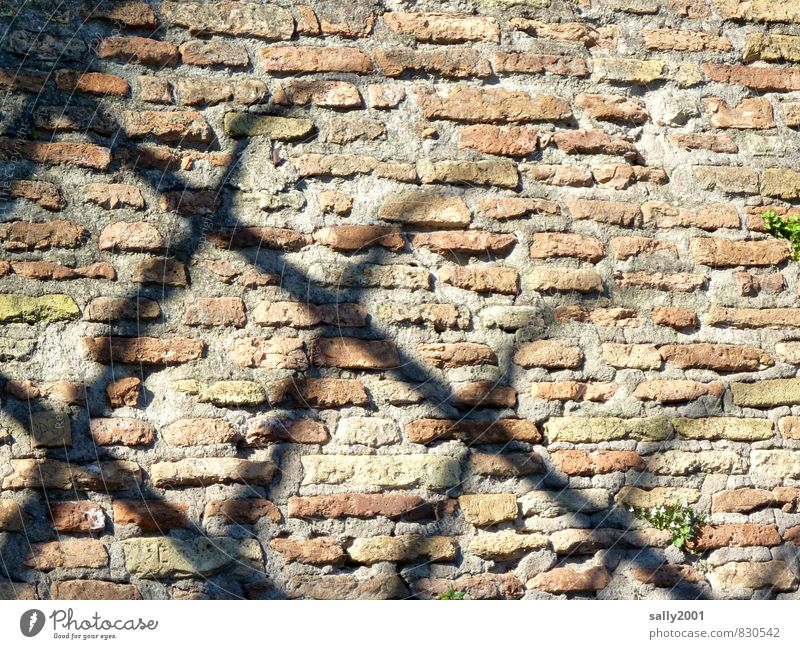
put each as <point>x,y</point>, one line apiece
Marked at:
<point>349,299</point>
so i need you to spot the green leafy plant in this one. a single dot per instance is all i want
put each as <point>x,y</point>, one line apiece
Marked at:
<point>788,228</point>
<point>451,593</point>
<point>681,520</point>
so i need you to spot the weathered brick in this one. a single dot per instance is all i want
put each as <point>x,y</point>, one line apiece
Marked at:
<point>552,354</point>
<point>170,126</point>
<point>77,516</point>
<point>242,510</point>
<point>191,432</point>
<point>582,463</point>
<point>707,217</point>
<point>682,282</point>
<point>752,317</point>
<point>513,141</point>
<point>613,108</point>
<point>452,62</point>
<point>485,172</point>
<point>402,548</point>
<point>262,432</point>
<point>505,465</point>
<point>47,195</point>
<point>560,175</point>
<point>506,545</point>
<point>432,471</point>
<point>215,312</point>
<point>573,391</point>
<point>302,314</point>
<point>581,280</point>
<point>685,41</point>
<point>448,355</point>
<point>676,390</point>
<point>713,537</point>
<point>78,154</point>
<point>128,14</point>
<point>545,245</point>
<point>523,62</point>
<point>748,113</point>
<point>443,27</point>
<point>390,505</point>
<point>92,589</point>
<point>136,49</point>
<point>347,586</point>
<point>481,280</point>
<point>320,550</point>
<point>719,357</point>
<point>491,105</point>
<point>775,465</point>
<point>121,430</point>
<point>425,208</point>
<point>473,431</point>
<point>165,557</point>
<point>637,71</point>
<point>214,52</point>
<point>715,143</point>
<point>713,428</point>
<point>766,393</point>
<point>54,474</point>
<point>94,83</point>
<point>729,180</point>
<point>306,58</point>
<point>67,553</point>
<point>486,394</point>
<point>47,308</point>
<point>488,509</point>
<point>771,47</point>
<point>143,350</point>
<point>151,515</point>
<point>765,79</point>
<point>775,575</point>
<point>689,463</point>
<point>604,429</point>
<point>104,309</point>
<point>237,18</point>
<point>781,183</point>
<point>205,471</point>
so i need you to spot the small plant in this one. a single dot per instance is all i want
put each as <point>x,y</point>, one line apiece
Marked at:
<point>681,520</point>
<point>451,593</point>
<point>788,228</point>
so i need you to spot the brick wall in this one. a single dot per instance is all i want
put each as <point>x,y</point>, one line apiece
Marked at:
<point>347,299</point>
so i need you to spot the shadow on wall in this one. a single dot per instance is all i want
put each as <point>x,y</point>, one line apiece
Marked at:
<point>35,46</point>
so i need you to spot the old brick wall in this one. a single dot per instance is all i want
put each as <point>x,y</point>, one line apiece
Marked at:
<point>349,299</point>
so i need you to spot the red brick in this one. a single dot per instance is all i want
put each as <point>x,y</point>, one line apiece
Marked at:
<point>456,354</point>
<point>242,510</point>
<point>473,431</point>
<point>525,63</point>
<point>715,143</point>
<point>215,312</point>
<point>351,238</point>
<point>262,237</point>
<point>613,108</point>
<point>720,357</point>
<point>675,317</point>
<point>144,350</point>
<point>160,271</point>
<point>121,430</point>
<point>67,553</point>
<point>466,242</point>
<point>452,62</point>
<point>124,392</point>
<point>685,41</point>
<point>583,463</point>
<point>722,253</point>
<point>316,551</point>
<point>611,212</point>
<point>151,515</point>
<point>491,105</point>
<point>45,194</point>
<point>94,83</point>
<point>552,354</point>
<point>481,280</point>
<point>137,236</point>
<point>135,49</point>
<point>271,353</point>
<point>443,27</point>
<point>568,580</point>
<point>484,394</point>
<point>764,79</point>
<point>170,126</point>
<point>353,353</point>
<point>128,14</point>
<point>77,516</point>
<point>24,235</point>
<point>214,52</point>
<point>78,154</point>
<point>755,113</point>
<point>712,537</point>
<point>390,505</point>
<point>92,589</point>
<point>306,58</point>
<point>239,19</point>
<point>262,432</point>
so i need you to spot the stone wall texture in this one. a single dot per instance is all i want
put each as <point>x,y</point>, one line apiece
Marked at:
<point>360,299</point>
